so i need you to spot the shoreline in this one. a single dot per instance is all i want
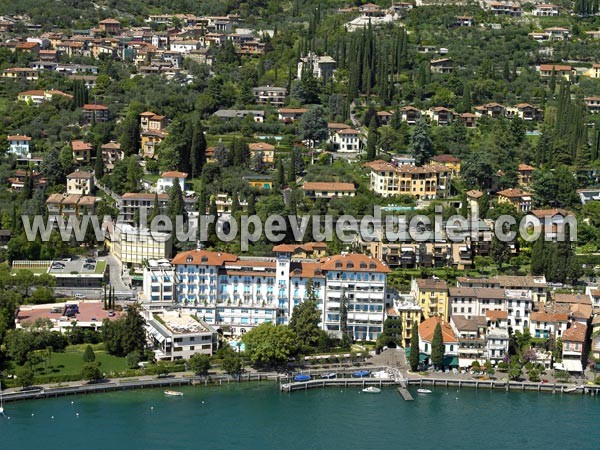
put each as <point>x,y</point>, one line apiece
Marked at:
<point>287,385</point>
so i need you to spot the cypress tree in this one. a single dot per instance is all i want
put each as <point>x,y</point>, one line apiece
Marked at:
<point>292,169</point>
<point>437,347</point>
<point>280,174</point>
<point>372,140</point>
<point>414,348</point>
<point>198,150</point>
<point>251,205</point>
<point>155,209</point>
<point>99,166</point>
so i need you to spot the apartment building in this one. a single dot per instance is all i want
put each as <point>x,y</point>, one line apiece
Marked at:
<point>18,145</point>
<point>111,153</point>
<point>95,113</point>
<point>269,95</point>
<point>243,292</point>
<point>82,152</point>
<point>159,283</point>
<point>134,246</point>
<point>422,182</point>
<point>177,335</point>
<point>432,297</point>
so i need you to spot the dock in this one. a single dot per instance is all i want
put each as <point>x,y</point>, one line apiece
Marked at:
<point>404,392</point>
<point>339,382</point>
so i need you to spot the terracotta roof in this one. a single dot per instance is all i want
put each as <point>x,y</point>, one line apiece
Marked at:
<point>427,329</point>
<point>307,270</point>
<point>524,167</point>
<point>18,137</point>
<point>94,107</point>
<point>336,126</point>
<point>293,110</point>
<point>576,333</point>
<point>111,146</point>
<point>109,20</point>
<point>261,146</point>
<point>33,93</point>
<point>354,262</point>
<point>140,196</point>
<point>496,315</point>
<point>409,108</point>
<point>203,257</point>
<point>514,193</point>
<point>542,213</point>
<point>348,131</point>
<point>543,316</point>
<point>147,113</point>
<point>474,193</point>
<point>473,324</point>
<point>173,174</point>
<point>80,174</point>
<point>572,298</point>
<point>80,145</point>
<point>557,67</point>
<point>326,186</point>
<point>432,284</point>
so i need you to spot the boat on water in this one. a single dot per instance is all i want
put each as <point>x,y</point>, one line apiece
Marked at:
<point>302,377</point>
<point>382,375</point>
<point>571,389</point>
<point>329,375</point>
<point>424,391</point>
<point>173,394</point>
<point>371,390</point>
<point>361,374</point>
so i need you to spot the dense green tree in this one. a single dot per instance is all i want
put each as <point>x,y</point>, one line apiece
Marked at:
<point>437,347</point>
<point>198,150</point>
<point>392,333</point>
<point>270,345</point>
<point>89,355</point>
<point>200,363</point>
<point>91,372</point>
<point>312,125</point>
<point>421,145</point>
<point>305,322</point>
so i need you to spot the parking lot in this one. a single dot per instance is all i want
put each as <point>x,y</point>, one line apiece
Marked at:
<point>79,265</point>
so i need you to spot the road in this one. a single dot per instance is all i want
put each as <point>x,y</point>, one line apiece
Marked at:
<point>119,281</point>
<point>106,190</point>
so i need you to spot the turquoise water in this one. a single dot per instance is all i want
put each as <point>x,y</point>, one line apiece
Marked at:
<point>258,416</point>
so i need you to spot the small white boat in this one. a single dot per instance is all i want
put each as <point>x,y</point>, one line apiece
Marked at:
<point>571,389</point>
<point>423,391</point>
<point>372,390</point>
<point>173,394</point>
<point>329,375</point>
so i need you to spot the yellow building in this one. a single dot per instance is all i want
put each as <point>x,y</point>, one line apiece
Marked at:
<point>261,182</point>
<point>267,151</point>
<point>449,161</point>
<point>520,199</point>
<point>425,182</point>
<point>432,297</point>
<point>594,72</point>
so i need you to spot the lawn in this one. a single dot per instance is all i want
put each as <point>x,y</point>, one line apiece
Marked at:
<point>61,366</point>
<point>100,267</point>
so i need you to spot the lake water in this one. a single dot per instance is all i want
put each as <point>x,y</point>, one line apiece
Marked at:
<point>258,416</point>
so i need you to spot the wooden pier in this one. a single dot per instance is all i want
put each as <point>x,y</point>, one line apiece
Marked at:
<point>339,382</point>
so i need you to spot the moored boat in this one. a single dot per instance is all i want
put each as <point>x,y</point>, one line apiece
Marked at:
<point>371,390</point>
<point>173,394</point>
<point>302,377</point>
<point>329,375</point>
<point>423,391</point>
<point>361,374</point>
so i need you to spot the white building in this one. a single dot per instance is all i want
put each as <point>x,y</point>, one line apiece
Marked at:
<point>184,46</point>
<point>320,66</point>
<point>546,10</point>
<point>80,182</point>
<point>159,282</point>
<point>426,332</point>
<point>346,140</point>
<point>242,292</point>
<point>18,145</point>
<point>167,179</point>
<point>497,344</point>
<point>178,335</point>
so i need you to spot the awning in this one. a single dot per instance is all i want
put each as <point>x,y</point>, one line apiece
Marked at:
<point>422,356</point>
<point>572,365</point>
<point>450,361</point>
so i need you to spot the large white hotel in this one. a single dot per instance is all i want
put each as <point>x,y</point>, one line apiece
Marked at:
<point>238,293</point>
